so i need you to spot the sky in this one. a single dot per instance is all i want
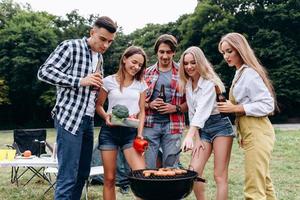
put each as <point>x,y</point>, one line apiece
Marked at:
<point>130,14</point>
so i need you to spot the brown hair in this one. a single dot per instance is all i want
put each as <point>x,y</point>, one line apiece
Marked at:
<point>167,39</point>
<point>130,51</point>
<point>107,23</point>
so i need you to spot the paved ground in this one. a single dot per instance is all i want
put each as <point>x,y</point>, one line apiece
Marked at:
<point>287,126</point>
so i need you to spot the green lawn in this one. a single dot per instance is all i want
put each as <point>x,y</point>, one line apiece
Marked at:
<point>285,169</point>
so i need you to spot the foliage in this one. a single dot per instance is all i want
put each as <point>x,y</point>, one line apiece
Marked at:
<point>3,92</point>
<point>25,42</point>
<point>73,25</point>
<point>7,10</point>
<point>272,28</point>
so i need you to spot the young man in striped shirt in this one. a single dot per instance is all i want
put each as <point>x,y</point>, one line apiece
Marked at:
<point>76,68</point>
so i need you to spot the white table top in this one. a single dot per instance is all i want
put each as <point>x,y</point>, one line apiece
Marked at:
<point>30,162</point>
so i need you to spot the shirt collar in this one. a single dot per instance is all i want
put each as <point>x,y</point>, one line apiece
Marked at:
<point>87,44</point>
<point>199,84</point>
<point>240,69</point>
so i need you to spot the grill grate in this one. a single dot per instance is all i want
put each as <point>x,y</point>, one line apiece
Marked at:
<point>138,174</point>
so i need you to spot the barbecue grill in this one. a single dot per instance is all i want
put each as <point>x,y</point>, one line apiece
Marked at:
<point>162,187</point>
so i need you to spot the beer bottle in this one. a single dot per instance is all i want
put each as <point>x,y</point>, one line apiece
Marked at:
<point>220,97</point>
<point>162,93</point>
<point>99,69</point>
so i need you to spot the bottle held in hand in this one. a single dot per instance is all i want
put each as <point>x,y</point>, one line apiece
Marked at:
<point>220,97</point>
<point>162,93</point>
<point>98,70</point>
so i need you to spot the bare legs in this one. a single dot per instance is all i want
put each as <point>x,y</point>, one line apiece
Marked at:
<point>222,151</point>
<point>198,163</point>
<point>109,164</point>
<point>221,148</point>
<point>135,161</point>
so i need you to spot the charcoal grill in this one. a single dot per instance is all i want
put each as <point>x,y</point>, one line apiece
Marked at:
<point>162,187</point>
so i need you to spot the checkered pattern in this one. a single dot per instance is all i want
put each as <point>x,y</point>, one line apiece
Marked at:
<point>177,121</point>
<point>71,61</point>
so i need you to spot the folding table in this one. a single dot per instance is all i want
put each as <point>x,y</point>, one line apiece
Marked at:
<point>34,164</point>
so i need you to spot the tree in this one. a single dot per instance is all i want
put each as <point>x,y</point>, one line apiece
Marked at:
<point>3,93</point>
<point>74,25</point>
<point>25,42</point>
<point>272,29</point>
<point>7,10</point>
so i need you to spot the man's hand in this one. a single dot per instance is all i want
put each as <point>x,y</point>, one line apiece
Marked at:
<point>166,108</point>
<point>94,79</point>
<point>156,103</point>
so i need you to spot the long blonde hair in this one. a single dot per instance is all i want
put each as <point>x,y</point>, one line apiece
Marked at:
<point>203,67</point>
<point>241,45</point>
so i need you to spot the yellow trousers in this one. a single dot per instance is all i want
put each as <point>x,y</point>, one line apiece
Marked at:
<point>257,139</point>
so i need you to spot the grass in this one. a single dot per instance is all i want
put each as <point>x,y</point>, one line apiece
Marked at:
<point>285,168</point>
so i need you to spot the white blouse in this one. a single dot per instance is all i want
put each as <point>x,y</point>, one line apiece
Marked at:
<point>201,101</point>
<point>252,93</point>
<point>130,95</point>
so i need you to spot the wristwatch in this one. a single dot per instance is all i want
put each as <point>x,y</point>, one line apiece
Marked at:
<point>178,109</point>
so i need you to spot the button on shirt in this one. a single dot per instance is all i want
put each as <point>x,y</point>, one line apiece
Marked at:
<point>252,93</point>
<point>201,101</point>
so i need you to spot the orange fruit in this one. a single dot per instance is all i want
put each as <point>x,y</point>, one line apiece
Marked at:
<point>27,153</point>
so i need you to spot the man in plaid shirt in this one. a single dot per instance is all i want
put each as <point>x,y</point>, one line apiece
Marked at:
<point>76,69</point>
<point>164,121</point>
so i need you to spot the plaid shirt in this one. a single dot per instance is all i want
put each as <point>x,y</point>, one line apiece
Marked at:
<point>70,61</point>
<point>177,121</point>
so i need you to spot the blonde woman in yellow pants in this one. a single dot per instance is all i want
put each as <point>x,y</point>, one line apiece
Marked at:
<point>252,98</point>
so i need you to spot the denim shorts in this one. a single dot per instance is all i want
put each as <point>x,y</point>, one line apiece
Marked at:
<point>111,138</point>
<point>216,126</point>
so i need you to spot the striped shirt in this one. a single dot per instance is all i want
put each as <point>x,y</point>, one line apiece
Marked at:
<point>70,61</point>
<point>177,121</point>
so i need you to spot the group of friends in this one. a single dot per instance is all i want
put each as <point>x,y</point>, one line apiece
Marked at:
<point>75,67</point>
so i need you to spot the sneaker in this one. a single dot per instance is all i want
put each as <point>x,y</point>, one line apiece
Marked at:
<point>124,189</point>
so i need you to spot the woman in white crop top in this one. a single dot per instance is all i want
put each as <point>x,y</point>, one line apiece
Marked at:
<point>126,87</point>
